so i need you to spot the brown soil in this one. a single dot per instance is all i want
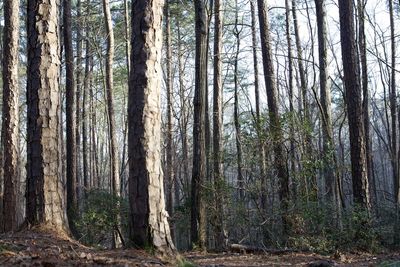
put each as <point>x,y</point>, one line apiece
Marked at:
<point>41,247</point>
<point>46,248</point>
<point>293,259</point>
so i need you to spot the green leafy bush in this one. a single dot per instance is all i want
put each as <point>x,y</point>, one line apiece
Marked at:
<point>100,217</point>
<point>312,229</point>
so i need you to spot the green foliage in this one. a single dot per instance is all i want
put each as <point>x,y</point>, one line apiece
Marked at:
<point>358,232</point>
<point>314,229</point>
<point>182,262</point>
<point>100,216</point>
<point>181,221</point>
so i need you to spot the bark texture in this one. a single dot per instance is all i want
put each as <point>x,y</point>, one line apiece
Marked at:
<point>10,125</point>
<point>149,219</point>
<point>198,220</point>
<point>354,104</point>
<point>218,170</point>
<point>72,200</point>
<point>44,204</point>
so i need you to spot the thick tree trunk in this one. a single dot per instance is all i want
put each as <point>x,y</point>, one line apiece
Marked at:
<point>10,126</point>
<point>146,190</point>
<point>72,200</point>
<point>44,204</point>
<point>198,216</point>
<point>354,105</point>
<point>218,169</point>
<point>275,124</point>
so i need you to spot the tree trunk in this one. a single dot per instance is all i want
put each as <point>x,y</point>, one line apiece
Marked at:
<point>44,204</point>
<point>1,133</point>
<point>10,130</point>
<point>85,113</point>
<point>198,216</point>
<point>305,110</point>
<point>393,104</point>
<point>146,191</point>
<point>184,116</point>
<point>115,179</point>
<point>209,11</point>
<point>72,200</point>
<point>218,127</point>
<point>275,124</point>
<point>364,79</point>
<point>169,164</point>
<point>328,148</point>
<point>127,37</point>
<point>292,153</point>
<point>240,177</point>
<point>302,74</point>
<point>93,127</point>
<point>354,105</point>
<point>110,99</point>
<point>393,110</point>
<point>78,112</point>
<point>259,127</point>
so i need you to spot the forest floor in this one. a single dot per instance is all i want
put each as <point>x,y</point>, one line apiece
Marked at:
<point>46,248</point>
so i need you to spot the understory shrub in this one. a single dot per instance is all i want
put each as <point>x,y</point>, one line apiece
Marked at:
<point>100,216</point>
